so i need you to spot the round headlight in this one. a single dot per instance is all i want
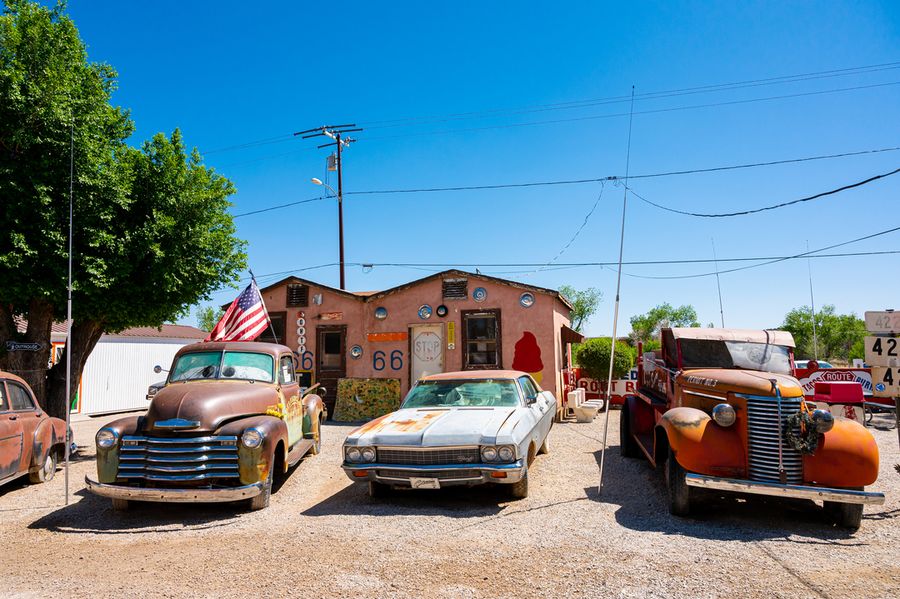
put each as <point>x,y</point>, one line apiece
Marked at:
<point>106,438</point>
<point>354,455</point>
<point>506,454</point>
<point>368,454</point>
<point>724,414</point>
<point>489,454</point>
<point>251,438</point>
<point>823,420</point>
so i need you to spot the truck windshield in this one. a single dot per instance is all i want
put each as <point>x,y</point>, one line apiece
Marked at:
<point>707,353</point>
<point>484,393</point>
<point>232,365</point>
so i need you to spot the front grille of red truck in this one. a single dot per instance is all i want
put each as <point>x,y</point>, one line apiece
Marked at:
<point>178,459</point>
<point>764,435</point>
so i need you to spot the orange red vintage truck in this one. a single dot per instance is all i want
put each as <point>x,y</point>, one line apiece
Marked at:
<point>718,409</point>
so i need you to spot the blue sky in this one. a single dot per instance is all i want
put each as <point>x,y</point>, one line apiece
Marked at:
<point>231,73</point>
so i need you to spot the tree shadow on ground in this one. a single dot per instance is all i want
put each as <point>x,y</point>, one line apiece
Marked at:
<point>94,515</point>
<point>640,493</point>
<point>453,502</point>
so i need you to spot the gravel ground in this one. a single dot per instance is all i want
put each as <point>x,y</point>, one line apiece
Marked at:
<point>323,537</point>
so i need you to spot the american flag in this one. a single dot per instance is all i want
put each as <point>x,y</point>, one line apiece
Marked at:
<point>245,318</point>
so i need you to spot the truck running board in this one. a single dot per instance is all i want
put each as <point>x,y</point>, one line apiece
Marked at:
<point>300,449</point>
<point>778,490</point>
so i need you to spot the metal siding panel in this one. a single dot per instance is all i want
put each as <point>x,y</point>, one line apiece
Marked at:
<point>118,372</point>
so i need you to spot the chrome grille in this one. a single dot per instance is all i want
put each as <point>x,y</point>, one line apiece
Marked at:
<point>438,474</point>
<point>178,459</point>
<point>429,457</point>
<point>764,438</point>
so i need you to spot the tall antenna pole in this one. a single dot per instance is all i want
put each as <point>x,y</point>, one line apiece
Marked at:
<point>812,305</point>
<point>718,284</point>
<point>69,309</point>
<point>612,345</point>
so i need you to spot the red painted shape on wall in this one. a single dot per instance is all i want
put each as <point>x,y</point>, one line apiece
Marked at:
<point>527,356</point>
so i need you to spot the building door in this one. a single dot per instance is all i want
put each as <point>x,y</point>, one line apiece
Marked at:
<point>331,364</point>
<point>426,351</point>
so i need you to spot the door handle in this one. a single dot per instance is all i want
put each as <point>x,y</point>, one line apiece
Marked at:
<point>13,417</point>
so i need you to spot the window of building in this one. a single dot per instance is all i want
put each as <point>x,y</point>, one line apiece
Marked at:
<point>481,343</point>
<point>277,322</point>
<point>297,295</point>
<point>455,289</point>
<point>19,397</point>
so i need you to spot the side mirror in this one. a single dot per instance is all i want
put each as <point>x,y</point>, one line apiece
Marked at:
<point>321,391</point>
<point>531,400</point>
<point>157,369</point>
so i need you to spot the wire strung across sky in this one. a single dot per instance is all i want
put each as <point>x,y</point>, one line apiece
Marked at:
<point>588,181</point>
<point>584,103</point>
<point>765,208</point>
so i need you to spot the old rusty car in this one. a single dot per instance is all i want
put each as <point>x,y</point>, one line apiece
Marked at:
<point>230,418</point>
<point>719,409</point>
<point>455,428</point>
<point>31,442</point>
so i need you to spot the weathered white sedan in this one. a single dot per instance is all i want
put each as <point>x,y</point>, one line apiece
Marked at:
<point>455,428</point>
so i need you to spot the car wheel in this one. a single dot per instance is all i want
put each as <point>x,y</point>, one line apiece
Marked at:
<point>845,515</point>
<point>679,492</point>
<point>377,489</point>
<point>627,445</point>
<point>261,501</point>
<point>519,489</point>
<point>120,505</point>
<point>47,470</point>
<point>317,438</point>
<point>545,446</point>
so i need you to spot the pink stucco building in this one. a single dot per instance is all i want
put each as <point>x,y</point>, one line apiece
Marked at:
<point>448,321</point>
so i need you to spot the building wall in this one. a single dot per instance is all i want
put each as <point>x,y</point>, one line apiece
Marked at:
<point>120,369</point>
<point>391,358</point>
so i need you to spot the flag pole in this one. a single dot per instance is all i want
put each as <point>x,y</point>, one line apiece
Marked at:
<point>612,345</point>
<point>268,318</point>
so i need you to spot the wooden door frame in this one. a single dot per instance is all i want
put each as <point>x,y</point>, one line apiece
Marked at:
<point>331,328</point>
<point>463,314</point>
<point>409,348</point>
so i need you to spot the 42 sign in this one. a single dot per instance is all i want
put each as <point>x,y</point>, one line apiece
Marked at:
<point>883,351</point>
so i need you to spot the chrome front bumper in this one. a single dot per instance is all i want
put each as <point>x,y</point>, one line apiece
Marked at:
<point>470,474</point>
<point>777,490</point>
<point>199,495</point>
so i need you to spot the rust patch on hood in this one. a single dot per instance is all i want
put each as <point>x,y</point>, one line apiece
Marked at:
<point>410,422</point>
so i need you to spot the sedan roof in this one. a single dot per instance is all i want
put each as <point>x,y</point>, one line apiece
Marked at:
<point>475,375</point>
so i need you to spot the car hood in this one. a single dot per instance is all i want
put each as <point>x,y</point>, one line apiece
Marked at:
<point>436,427</point>
<point>207,403</point>
<point>750,382</point>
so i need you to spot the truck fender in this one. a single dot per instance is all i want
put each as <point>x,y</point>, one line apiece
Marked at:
<point>702,446</point>
<point>108,458</point>
<point>254,464</point>
<point>847,456</point>
<point>313,409</point>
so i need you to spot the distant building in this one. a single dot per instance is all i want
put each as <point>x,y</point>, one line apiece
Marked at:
<point>453,320</point>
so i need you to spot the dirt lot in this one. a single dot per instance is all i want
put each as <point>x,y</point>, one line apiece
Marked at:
<point>323,537</point>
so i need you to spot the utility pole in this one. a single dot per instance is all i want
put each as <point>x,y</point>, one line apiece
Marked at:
<point>335,132</point>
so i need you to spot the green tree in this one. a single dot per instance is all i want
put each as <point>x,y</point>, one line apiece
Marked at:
<point>152,235</point>
<point>646,327</point>
<point>838,336</point>
<point>584,304</point>
<point>207,317</point>
<point>593,357</point>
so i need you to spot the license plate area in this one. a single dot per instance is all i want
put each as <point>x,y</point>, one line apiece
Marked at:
<point>424,483</point>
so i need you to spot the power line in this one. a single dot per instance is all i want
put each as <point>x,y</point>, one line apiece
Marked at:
<point>577,181</point>
<point>765,208</point>
<point>784,79</point>
<point>770,261</point>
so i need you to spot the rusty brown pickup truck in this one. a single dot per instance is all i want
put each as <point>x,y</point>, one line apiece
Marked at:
<point>31,442</point>
<point>230,418</point>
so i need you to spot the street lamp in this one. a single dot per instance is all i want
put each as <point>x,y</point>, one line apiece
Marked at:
<point>317,181</point>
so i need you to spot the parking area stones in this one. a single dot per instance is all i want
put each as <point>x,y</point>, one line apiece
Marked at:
<point>323,536</point>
